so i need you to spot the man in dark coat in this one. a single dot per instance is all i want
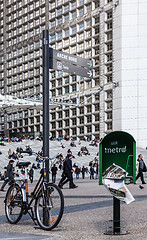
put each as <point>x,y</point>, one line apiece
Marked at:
<point>54,173</point>
<point>9,174</point>
<point>67,173</point>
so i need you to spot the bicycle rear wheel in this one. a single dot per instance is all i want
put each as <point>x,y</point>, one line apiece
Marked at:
<point>49,207</point>
<point>14,203</point>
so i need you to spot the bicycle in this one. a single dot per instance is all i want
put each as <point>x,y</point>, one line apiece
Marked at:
<point>48,197</point>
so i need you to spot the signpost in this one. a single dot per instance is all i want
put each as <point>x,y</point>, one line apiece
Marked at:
<point>70,68</point>
<point>118,148</point>
<point>70,58</point>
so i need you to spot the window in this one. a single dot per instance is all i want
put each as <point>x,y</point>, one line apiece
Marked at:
<point>97,3</point>
<point>109,15</point>
<point>81,2</point>
<point>59,35</point>
<point>66,8</point>
<point>109,116</point>
<point>74,78</point>
<point>81,11</point>
<point>89,119</point>
<point>74,88</point>
<point>66,18</point>
<point>81,36</point>
<point>60,20</point>
<point>81,46</point>
<point>67,89</point>
<point>59,12</point>
<point>88,109</point>
<point>59,114</point>
<point>73,4</point>
<point>81,25</point>
<point>97,128</point>
<point>109,126</point>
<point>88,8</point>
<point>60,124</point>
<point>66,80</point>
<point>60,91</point>
<point>73,39</point>
<point>74,29</point>
<point>73,49</point>
<point>82,110</point>
<point>53,38</point>
<point>96,118</point>
<point>74,122</point>
<point>74,15</point>
<point>81,130</point>
<point>66,32</point>
<point>88,23</point>
<point>73,112</point>
<point>96,107</point>
<point>88,129</point>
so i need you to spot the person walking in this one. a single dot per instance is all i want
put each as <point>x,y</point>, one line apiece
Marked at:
<point>92,172</point>
<point>83,172</point>
<point>77,172</point>
<point>9,174</point>
<point>54,173</point>
<point>67,173</point>
<point>31,174</point>
<point>141,168</point>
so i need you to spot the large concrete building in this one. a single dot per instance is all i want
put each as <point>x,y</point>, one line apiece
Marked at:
<point>110,33</point>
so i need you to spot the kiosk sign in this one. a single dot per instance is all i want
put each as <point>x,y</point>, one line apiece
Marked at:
<point>118,148</point>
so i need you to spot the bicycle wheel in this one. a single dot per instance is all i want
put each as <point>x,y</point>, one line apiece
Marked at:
<point>14,203</point>
<point>49,207</point>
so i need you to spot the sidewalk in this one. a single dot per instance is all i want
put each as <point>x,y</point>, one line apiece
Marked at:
<point>87,216</point>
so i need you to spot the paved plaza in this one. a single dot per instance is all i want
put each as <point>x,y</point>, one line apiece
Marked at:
<point>87,216</point>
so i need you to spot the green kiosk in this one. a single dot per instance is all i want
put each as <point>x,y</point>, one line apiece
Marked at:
<point>118,148</point>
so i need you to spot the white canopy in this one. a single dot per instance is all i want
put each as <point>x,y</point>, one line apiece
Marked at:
<point>7,101</point>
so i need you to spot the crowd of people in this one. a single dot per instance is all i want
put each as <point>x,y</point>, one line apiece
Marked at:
<point>62,165</point>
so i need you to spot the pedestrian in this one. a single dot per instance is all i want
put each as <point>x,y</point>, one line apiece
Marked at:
<point>83,172</point>
<point>92,172</point>
<point>77,172</point>
<point>31,174</point>
<point>9,174</point>
<point>54,170</point>
<point>67,175</point>
<point>141,168</point>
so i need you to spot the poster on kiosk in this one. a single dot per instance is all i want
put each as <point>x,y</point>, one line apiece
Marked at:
<point>117,164</point>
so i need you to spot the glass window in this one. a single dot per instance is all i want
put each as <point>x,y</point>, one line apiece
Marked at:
<point>59,35</point>
<point>66,8</point>
<point>74,15</point>
<point>74,29</point>
<point>66,19</point>
<point>74,88</point>
<point>73,4</point>
<point>81,11</point>
<point>59,11</point>
<point>53,37</point>
<point>81,25</point>
<point>60,20</point>
<point>66,31</point>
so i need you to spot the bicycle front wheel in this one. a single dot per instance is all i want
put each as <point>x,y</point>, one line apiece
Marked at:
<point>14,203</point>
<point>49,207</point>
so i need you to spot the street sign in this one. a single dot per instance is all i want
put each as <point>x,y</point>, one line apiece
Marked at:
<point>70,68</point>
<point>70,58</point>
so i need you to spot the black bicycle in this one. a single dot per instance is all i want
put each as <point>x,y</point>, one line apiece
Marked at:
<point>48,198</point>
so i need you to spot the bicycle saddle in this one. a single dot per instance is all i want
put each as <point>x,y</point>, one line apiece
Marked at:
<point>23,164</point>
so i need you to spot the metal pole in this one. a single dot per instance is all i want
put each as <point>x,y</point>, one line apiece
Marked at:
<point>116,215</point>
<point>45,56</point>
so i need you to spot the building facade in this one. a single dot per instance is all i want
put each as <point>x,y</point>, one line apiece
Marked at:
<point>77,27</point>
<point>99,30</point>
